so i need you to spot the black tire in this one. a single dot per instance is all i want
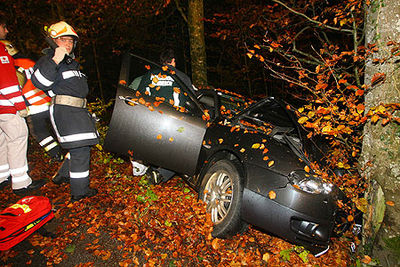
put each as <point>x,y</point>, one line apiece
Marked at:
<point>222,190</point>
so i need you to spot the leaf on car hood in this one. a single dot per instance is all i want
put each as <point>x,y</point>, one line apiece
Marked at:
<point>271,163</point>
<point>272,194</point>
<point>255,146</point>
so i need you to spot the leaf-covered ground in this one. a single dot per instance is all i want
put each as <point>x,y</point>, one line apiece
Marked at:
<point>131,223</point>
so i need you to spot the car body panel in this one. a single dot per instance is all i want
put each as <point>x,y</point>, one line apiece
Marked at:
<point>175,139</point>
<point>172,139</point>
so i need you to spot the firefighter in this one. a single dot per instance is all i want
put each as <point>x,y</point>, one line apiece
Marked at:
<point>73,124</point>
<point>38,103</point>
<point>13,129</point>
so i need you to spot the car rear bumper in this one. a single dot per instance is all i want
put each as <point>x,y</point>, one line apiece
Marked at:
<point>312,232</point>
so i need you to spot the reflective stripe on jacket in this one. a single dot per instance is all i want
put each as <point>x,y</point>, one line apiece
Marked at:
<point>11,99</point>
<point>38,100</point>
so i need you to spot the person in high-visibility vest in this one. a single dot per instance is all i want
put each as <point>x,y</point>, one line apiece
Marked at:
<point>13,129</point>
<point>38,103</point>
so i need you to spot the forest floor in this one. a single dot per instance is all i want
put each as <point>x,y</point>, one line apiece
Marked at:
<point>131,223</point>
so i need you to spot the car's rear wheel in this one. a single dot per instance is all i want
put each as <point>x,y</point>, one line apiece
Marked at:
<point>222,190</point>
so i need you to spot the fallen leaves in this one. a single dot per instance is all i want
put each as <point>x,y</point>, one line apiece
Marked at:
<point>173,227</point>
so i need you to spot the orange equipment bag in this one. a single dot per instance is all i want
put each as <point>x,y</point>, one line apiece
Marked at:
<point>20,220</point>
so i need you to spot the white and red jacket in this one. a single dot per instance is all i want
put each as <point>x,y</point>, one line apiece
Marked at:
<point>11,99</point>
<point>38,100</point>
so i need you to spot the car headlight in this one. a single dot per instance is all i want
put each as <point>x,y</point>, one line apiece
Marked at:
<point>309,183</point>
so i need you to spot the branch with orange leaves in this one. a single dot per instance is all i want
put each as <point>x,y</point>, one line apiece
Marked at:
<point>384,112</point>
<point>320,24</point>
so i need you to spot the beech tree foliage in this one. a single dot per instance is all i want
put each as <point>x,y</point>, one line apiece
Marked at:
<point>319,50</point>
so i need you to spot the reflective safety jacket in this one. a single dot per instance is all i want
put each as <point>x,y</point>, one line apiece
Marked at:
<point>38,101</point>
<point>74,127</point>
<point>11,99</point>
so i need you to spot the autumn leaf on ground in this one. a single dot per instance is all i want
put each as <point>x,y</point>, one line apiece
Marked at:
<point>366,259</point>
<point>220,140</point>
<point>242,150</point>
<point>266,257</point>
<point>215,244</point>
<point>159,136</point>
<point>123,82</point>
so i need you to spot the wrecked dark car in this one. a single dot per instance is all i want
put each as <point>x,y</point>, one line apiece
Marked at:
<point>246,159</point>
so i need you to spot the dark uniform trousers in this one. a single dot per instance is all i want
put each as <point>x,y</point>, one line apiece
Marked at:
<point>39,128</point>
<point>76,167</point>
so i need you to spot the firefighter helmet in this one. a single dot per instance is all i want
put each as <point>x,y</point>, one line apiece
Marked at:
<point>10,48</point>
<point>61,29</point>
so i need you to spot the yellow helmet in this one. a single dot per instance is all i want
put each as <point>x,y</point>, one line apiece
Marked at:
<point>61,29</point>
<point>10,48</point>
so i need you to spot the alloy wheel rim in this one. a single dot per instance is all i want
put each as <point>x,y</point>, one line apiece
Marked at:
<point>218,195</point>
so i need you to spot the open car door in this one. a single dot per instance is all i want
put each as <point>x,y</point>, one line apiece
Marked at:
<point>156,132</point>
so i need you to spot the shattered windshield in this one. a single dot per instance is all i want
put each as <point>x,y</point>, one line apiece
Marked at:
<point>232,104</point>
<point>269,117</point>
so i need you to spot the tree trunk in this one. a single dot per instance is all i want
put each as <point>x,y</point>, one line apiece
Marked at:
<point>197,43</point>
<point>380,159</point>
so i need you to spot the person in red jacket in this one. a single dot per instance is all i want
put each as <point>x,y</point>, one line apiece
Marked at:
<point>13,130</point>
<point>38,104</point>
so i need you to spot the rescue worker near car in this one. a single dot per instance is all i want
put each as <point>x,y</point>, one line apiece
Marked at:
<point>13,129</point>
<point>73,124</point>
<point>160,84</point>
<point>37,101</point>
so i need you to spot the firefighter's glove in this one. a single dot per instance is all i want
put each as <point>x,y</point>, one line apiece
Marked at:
<point>23,113</point>
<point>59,54</point>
